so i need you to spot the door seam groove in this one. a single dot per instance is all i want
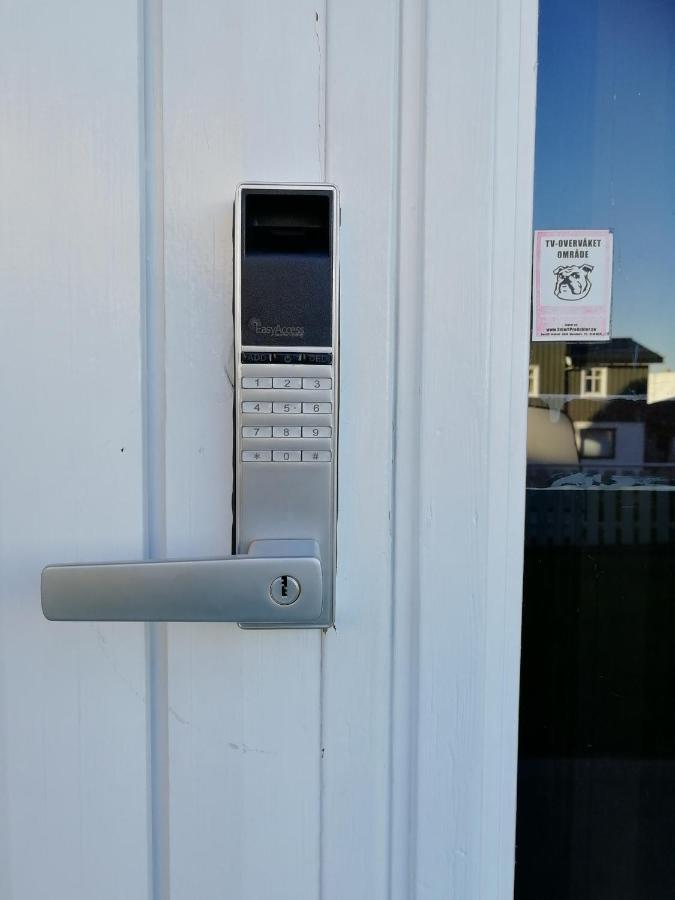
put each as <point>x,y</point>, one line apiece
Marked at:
<point>154,429</point>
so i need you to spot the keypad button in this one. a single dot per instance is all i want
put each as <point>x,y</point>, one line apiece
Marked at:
<point>310,359</point>
<point>286,456</point>
<point>317,407</point>
<point>288,359</point>
<point>289,384</point>
<point>256,455</point>
<point>288,408</point>
<point>318,359</point>
<point>256,406</point>
<point>317,431</point>
<point>317,384</point>
<point>255,357</point>
<point>316,455</point>
<point>256,431</point>
<point>287,431</point>
<point>256,382</point>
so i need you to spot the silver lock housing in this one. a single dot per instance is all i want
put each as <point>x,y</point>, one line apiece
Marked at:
<point>295,499</point>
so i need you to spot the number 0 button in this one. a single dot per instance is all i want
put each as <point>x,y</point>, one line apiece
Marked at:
<point>286,456</point>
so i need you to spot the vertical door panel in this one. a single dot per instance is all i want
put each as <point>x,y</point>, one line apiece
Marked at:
<point>453,456</point>
<point>361,121</point>
<point>243,100</point>
<point>434,217</point>
<point>479,113</point>
<point>72,696</point>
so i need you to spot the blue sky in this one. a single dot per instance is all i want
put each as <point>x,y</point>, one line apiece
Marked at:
<point>605,152</point>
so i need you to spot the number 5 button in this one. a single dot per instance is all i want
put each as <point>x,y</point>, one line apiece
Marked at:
<point>286,407</point>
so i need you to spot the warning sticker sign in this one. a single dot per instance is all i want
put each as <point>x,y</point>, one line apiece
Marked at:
<point>572,285</point>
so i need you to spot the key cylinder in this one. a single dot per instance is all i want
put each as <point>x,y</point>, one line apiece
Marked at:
<point>285,590</point>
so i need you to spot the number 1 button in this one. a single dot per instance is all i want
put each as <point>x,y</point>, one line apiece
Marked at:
<point>256,382</point>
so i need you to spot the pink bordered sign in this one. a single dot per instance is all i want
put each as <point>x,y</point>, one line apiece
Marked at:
<point>572,285</point>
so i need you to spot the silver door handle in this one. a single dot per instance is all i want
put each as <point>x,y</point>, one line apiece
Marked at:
<point>279,582</point>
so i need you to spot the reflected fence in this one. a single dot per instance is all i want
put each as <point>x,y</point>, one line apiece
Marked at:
<point>618,506</point>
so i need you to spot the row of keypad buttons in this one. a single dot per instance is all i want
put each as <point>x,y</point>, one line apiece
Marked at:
<point>289,384</point>
<point>286,358</point>
<point>262,406</point>
<point>286,455</point>
<point>286,431</point>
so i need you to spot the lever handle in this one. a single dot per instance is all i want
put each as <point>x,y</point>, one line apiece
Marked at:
<point>279,582</point>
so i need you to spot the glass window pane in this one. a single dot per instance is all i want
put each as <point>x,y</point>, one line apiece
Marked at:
<point>596,775</point>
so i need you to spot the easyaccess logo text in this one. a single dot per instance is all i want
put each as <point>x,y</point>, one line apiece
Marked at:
<point>276,330</point>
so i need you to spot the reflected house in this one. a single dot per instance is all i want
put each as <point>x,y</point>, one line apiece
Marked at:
<point>602,388</point>
<point>601,458</point>
<point>660,432</point>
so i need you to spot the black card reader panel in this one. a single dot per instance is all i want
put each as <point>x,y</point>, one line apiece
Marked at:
<point>286,268</point>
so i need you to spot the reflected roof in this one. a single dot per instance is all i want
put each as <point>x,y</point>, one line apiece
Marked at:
<point>618,351</point>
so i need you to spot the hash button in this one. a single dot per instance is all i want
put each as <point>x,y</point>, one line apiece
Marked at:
<point>316,455</point>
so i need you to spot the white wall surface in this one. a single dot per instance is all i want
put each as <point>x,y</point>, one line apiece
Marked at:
<point>376,760</point>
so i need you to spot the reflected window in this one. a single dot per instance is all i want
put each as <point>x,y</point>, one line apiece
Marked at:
<point>594,382</point>
<point>533,383</point>
<point>597,443</point>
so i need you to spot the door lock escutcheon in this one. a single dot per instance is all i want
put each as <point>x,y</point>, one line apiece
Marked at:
<point>282,571</point>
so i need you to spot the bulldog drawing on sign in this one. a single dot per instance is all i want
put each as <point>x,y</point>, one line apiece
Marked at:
<point>572,282</point>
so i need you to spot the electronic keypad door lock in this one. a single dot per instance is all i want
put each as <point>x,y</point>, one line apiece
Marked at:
<point>282,573</point>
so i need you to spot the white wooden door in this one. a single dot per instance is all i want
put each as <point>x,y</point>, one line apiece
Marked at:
<point>194,761</point>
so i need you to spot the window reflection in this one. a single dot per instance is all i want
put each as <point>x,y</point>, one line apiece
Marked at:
<point>622,416</point>
<point>596,778</point>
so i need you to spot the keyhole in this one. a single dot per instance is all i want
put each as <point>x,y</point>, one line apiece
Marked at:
<point>285,590</point>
